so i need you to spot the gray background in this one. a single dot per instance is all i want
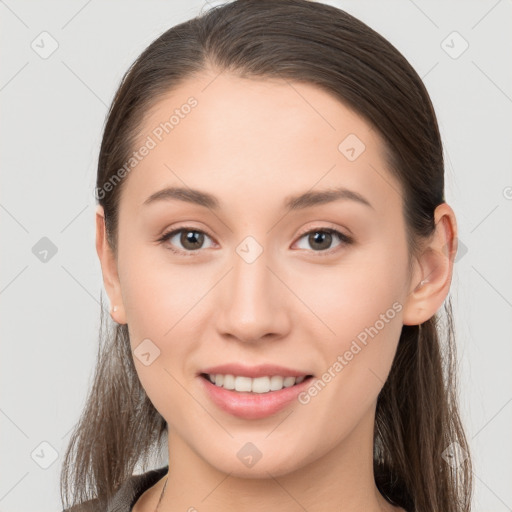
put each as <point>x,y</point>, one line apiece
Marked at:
<point>52,116</point>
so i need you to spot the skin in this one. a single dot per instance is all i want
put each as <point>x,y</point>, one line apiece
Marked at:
<point>253,143</point>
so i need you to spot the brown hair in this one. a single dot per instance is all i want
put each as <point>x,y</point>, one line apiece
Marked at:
<point>417,418</point>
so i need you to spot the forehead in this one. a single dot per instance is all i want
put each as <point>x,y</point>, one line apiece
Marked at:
<point>260,106</point>
<point>232,133</point>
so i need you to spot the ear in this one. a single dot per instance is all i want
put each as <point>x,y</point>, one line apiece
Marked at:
<point>109,269</point>
<point>433,269</point>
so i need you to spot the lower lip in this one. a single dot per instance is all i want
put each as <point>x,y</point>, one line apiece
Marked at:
<point>252,406</point>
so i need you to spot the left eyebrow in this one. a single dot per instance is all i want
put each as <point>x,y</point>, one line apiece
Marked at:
<point>314,198</point>
<point>292,203</point>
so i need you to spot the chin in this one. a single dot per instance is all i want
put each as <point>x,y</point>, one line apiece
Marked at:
<point>250,462</point>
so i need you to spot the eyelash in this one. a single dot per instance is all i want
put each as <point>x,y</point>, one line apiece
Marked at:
<point>345,239</point>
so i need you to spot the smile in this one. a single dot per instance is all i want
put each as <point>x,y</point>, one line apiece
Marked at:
<point>252,398</point>
<point>263,384</point>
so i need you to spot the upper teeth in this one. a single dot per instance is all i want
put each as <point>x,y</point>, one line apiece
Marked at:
<point>257,385</point>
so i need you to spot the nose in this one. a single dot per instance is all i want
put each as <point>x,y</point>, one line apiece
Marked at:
<point>254,303</point>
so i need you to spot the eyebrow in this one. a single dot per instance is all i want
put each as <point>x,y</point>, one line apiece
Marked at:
<point>292,203</point>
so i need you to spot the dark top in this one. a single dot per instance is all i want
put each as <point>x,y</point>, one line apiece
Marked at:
<point>126,496</point>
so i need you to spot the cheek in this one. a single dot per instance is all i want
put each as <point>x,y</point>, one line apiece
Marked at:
<point>352,296</point>
<point>156,293</point>
<point>163,304</point>
<point>360,305</point>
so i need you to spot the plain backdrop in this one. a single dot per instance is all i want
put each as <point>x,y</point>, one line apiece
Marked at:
<point>52,112</point>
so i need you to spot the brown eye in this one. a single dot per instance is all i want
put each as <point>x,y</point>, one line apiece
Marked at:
<point>190,240</point>
<point>320,240</point>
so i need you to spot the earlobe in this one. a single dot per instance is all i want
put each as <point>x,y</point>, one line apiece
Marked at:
<point>109,269</point>
<point>433,270</point>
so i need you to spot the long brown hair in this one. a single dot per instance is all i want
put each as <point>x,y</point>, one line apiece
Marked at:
<point>418,431</point>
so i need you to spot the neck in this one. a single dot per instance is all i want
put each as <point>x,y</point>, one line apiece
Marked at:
<point>339,480</point>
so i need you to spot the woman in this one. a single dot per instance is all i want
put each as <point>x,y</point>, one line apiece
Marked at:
<point>276,247</point>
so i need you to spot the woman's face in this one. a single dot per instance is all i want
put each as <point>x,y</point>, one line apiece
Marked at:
<point>256,279</point>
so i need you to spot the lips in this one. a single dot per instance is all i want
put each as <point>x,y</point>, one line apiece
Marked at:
<point>263,370</point>
<point>253,405</point>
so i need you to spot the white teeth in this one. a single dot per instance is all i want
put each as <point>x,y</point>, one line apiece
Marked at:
<point>288,382</point>
<point>256,385</point>
<point>276,383</point>
<point>229,382</point>
<point>260,385</point>
<point>242,383</point>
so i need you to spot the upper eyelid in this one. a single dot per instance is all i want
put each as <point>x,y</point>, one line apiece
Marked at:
<point>174,231</point>
<point>329,227</point>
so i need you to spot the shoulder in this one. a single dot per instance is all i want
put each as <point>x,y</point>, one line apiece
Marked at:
<point>126,496</point>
